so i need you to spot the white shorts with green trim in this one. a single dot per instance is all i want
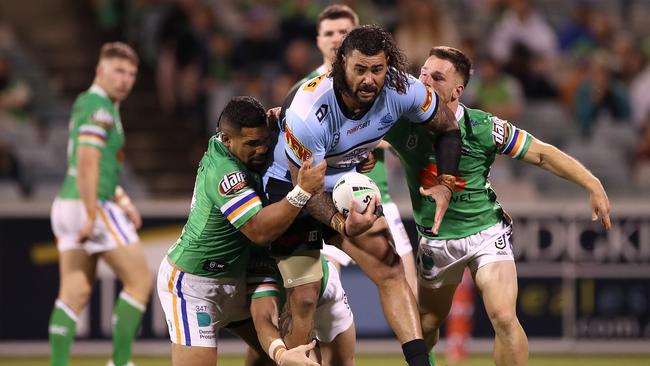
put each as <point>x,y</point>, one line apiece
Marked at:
<point>333,314</point>
<point>442,262</point>
<point>112,227</point>
<point>401,238</point>
<point>197,307</point>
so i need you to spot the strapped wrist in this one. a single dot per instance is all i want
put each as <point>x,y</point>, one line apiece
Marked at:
<point>276,349</point>
<point>298,197</point>
<point>447,180</point>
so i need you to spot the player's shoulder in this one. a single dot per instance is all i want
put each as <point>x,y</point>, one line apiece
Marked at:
<point>310,96</point>
<point>478,117</point>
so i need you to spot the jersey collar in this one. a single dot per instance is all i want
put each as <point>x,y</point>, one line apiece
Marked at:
<point>96,89</point>
<point>460,112</point>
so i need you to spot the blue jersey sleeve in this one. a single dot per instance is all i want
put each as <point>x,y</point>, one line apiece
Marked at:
<point>303,139</point>
<point>419,104</point>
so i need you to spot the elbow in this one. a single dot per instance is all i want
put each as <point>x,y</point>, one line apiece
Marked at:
<point>261,237</point>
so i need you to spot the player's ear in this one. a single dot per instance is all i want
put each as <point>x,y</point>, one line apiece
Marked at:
<point>458,91</point>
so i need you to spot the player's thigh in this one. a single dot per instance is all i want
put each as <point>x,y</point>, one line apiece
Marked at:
<point>435,303</point>
<point>77,274</point>
<point>130,266</point>
<point>373,251</point>
<point>497,283</point>
<point>193,356</point>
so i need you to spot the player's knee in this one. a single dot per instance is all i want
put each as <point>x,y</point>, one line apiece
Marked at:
<point>76,297</point>
<point>388,272</point>
<point>503,320</point>
<point>305,297</point>
<point>139,286</point>
<point>430,323</point>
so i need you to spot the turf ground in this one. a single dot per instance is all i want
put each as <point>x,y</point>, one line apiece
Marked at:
<point>535,360</point>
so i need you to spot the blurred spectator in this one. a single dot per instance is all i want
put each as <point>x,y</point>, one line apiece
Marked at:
<point>522,25</point>
<point>298,20</point>
<point>496,92</point>
<point>577,36</point>
<point>525,43</point>
<point>640,98</point>
<point>259,48</point>
<point>183,55</point>
<point>600,91</point>
<point>15,95</point>
<point>628,57</point>
<point>299,59</point>
<point>423,24</point>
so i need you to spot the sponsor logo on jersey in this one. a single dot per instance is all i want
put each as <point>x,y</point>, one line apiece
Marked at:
<point>337,138</point>
<point>358,127</point>
<point>351,159</point>
<point>427,101</point>
<point>102,117</point>
<point>203,319</point>
<point>214,265</point>
<point>232,183</point>
<point>322,112</point>
<point>300,150</point>
<point>499,131</point>
<point>386,119</point>
<point>429,178</point>
<point>313,83</point>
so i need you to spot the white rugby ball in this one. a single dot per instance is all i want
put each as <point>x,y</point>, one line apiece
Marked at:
<point>357,187</point>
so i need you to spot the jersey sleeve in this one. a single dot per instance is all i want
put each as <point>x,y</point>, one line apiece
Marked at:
<point>419,104</point>
<point>303,140</point>
<point>508,139</point>
<point>234,194</point>
<point>96,122</point>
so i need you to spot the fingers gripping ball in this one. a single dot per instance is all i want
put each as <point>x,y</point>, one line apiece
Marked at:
<point>357,187</point>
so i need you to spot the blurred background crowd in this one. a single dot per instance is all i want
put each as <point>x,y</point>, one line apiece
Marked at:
<point>574,73</point>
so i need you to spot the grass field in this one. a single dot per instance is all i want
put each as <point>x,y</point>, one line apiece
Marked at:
<point>535,360</point>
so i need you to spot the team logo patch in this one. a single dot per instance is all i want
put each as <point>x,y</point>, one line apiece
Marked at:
<point>427,101</point>
<point>386,119</point>
<point>412,141</point>
<point>232,183</point>
<point>300,150</point>
<point>500,243</point>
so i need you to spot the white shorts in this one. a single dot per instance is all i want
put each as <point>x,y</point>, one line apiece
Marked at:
<point>402,241</point>
<point>442,262</point>
<point>197,307</point>
<point>333,314</point>
<point>112,227</point>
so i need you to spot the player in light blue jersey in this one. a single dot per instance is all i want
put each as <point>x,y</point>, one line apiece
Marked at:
<point>340,118</point>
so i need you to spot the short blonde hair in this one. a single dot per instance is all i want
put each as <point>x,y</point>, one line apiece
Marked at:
<point>118,50</point>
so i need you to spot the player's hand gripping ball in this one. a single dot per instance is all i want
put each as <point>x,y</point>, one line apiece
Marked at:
<point>357,187</point>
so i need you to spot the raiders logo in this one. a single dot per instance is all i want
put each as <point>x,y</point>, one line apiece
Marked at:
<point>232,183</point>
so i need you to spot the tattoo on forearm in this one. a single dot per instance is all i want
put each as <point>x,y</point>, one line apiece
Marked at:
<point>444,120</point>
<point>321,207</point>
<point>337,222</point>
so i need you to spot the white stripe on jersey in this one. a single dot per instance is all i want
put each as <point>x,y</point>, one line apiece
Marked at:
<point>244,212</point>
<point>235,200</point>
<point>304,100</point>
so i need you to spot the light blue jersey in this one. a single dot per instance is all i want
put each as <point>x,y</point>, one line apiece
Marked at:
<point>316,126</point>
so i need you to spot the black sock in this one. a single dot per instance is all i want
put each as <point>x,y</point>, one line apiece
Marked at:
<point>415,353</point>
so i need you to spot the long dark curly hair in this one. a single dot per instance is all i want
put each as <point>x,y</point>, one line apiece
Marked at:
<point>370,40</point>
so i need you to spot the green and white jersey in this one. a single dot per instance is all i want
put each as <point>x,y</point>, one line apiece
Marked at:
<point>474,206</point>
<point>95,122</point>
<point>378,175</point>
<point>263,277</point>
<point>225,197</point>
